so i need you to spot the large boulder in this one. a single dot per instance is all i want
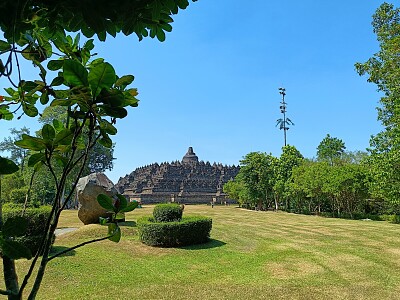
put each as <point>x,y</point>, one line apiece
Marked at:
<point>87,190</point>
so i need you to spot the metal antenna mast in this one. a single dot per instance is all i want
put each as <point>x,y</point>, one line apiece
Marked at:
<point>285,122</point>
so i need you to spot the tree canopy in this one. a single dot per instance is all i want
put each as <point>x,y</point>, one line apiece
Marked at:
<point>383,70</point>
<point>330,149</point>
<point>101,17</point>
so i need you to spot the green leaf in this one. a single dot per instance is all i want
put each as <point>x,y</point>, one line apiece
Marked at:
<point>15,250</point>
<point>105,202</point>
<point>35,158</point>
<point>28,86</point>
<point>131,206</point>
<point>15,226</point>
<point>44,98</point>
<point>115,232</point>
<point>89,45</point>
<point>29,109</point>
<point>31,143</point>
<point>101,76</point>
<point>120,216</point>
<point>108,127</point>
<point>57,81</point>
<point>122,201</point>
<point>103,221</point>
<point>74,73</point>
<point>124,81</point>
<point>5,114</point>
<point>48,132</point>
<point>55,65</point>
<point>116,112</point>
<point>7,166</point>
<point>64,137</point>
<point>105,141</point>
<point>160,34</point>
<point>4,46</point>
<point>61,160</point>
<point>58,125</point>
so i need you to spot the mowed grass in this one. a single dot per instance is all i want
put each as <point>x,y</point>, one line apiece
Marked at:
<point>252,255</point>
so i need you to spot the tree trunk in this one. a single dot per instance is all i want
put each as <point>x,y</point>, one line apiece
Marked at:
<point>10,278</point>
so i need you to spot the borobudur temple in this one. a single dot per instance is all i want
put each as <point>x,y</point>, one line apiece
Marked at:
<point>188,181</point>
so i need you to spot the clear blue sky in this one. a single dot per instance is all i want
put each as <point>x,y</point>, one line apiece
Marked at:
<point>213,84</point>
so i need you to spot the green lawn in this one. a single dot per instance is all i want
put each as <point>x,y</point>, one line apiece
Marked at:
<point>252,255</point>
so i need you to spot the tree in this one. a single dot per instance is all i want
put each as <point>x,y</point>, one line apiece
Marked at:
<point>257,172</point>
<point>383,70</point>
<point>235,189</point>
<point>330,149</point>
<point>90,89</point>
<point>18,154</point>
<point>289,159</point>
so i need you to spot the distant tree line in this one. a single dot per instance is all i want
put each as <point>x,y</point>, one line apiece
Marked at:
<point>336,183</point>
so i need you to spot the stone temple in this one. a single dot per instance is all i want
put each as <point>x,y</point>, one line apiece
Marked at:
<point>186,181</point>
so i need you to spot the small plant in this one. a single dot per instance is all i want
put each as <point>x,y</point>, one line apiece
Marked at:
<point>167,212</point>
<point>117,207</point>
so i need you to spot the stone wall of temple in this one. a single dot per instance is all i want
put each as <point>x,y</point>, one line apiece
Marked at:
<point>186,181</point>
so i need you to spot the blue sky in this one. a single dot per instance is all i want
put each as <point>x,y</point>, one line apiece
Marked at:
<point>213,84</point>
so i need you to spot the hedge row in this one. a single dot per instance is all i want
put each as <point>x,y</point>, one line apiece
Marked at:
<point>189,231</point>
<point>37,219</point>
<point>168,212</point>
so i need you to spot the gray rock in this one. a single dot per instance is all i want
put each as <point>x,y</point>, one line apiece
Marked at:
<point>87,190</point>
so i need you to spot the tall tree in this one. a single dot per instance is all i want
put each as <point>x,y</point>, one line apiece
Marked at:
<point>289,159</point>
<point>383,70</point>
<point>257,170</point>
<point>330,149</point>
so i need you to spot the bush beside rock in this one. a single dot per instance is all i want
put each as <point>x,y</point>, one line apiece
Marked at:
<point>37,219</point>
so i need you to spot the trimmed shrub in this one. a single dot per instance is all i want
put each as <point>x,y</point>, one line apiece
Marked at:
<point>37,219</point>
<point>167,212</point>
<point>189,231</point>
<point>395,219</point>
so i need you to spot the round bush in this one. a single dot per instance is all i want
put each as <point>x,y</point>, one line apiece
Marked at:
<point>167,212</point>
<point>189,231</point>
<point>37,219</point>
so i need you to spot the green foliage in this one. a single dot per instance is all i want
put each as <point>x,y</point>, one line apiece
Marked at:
<point>18,195</point>
<point>167,212</point>
<point>395,219</point>
<point>150,18</point>
<point>35,219</point>
<point>258,174</point>
<point>189,231</point>
<point>330,149</point>
<point>383,70</point>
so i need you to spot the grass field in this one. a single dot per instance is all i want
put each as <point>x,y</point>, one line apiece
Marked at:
<point>252,255</point>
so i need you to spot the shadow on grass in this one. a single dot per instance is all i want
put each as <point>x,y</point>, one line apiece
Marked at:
<point>209,245</point>
<point>127,223</point>
<point>57,249</point>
